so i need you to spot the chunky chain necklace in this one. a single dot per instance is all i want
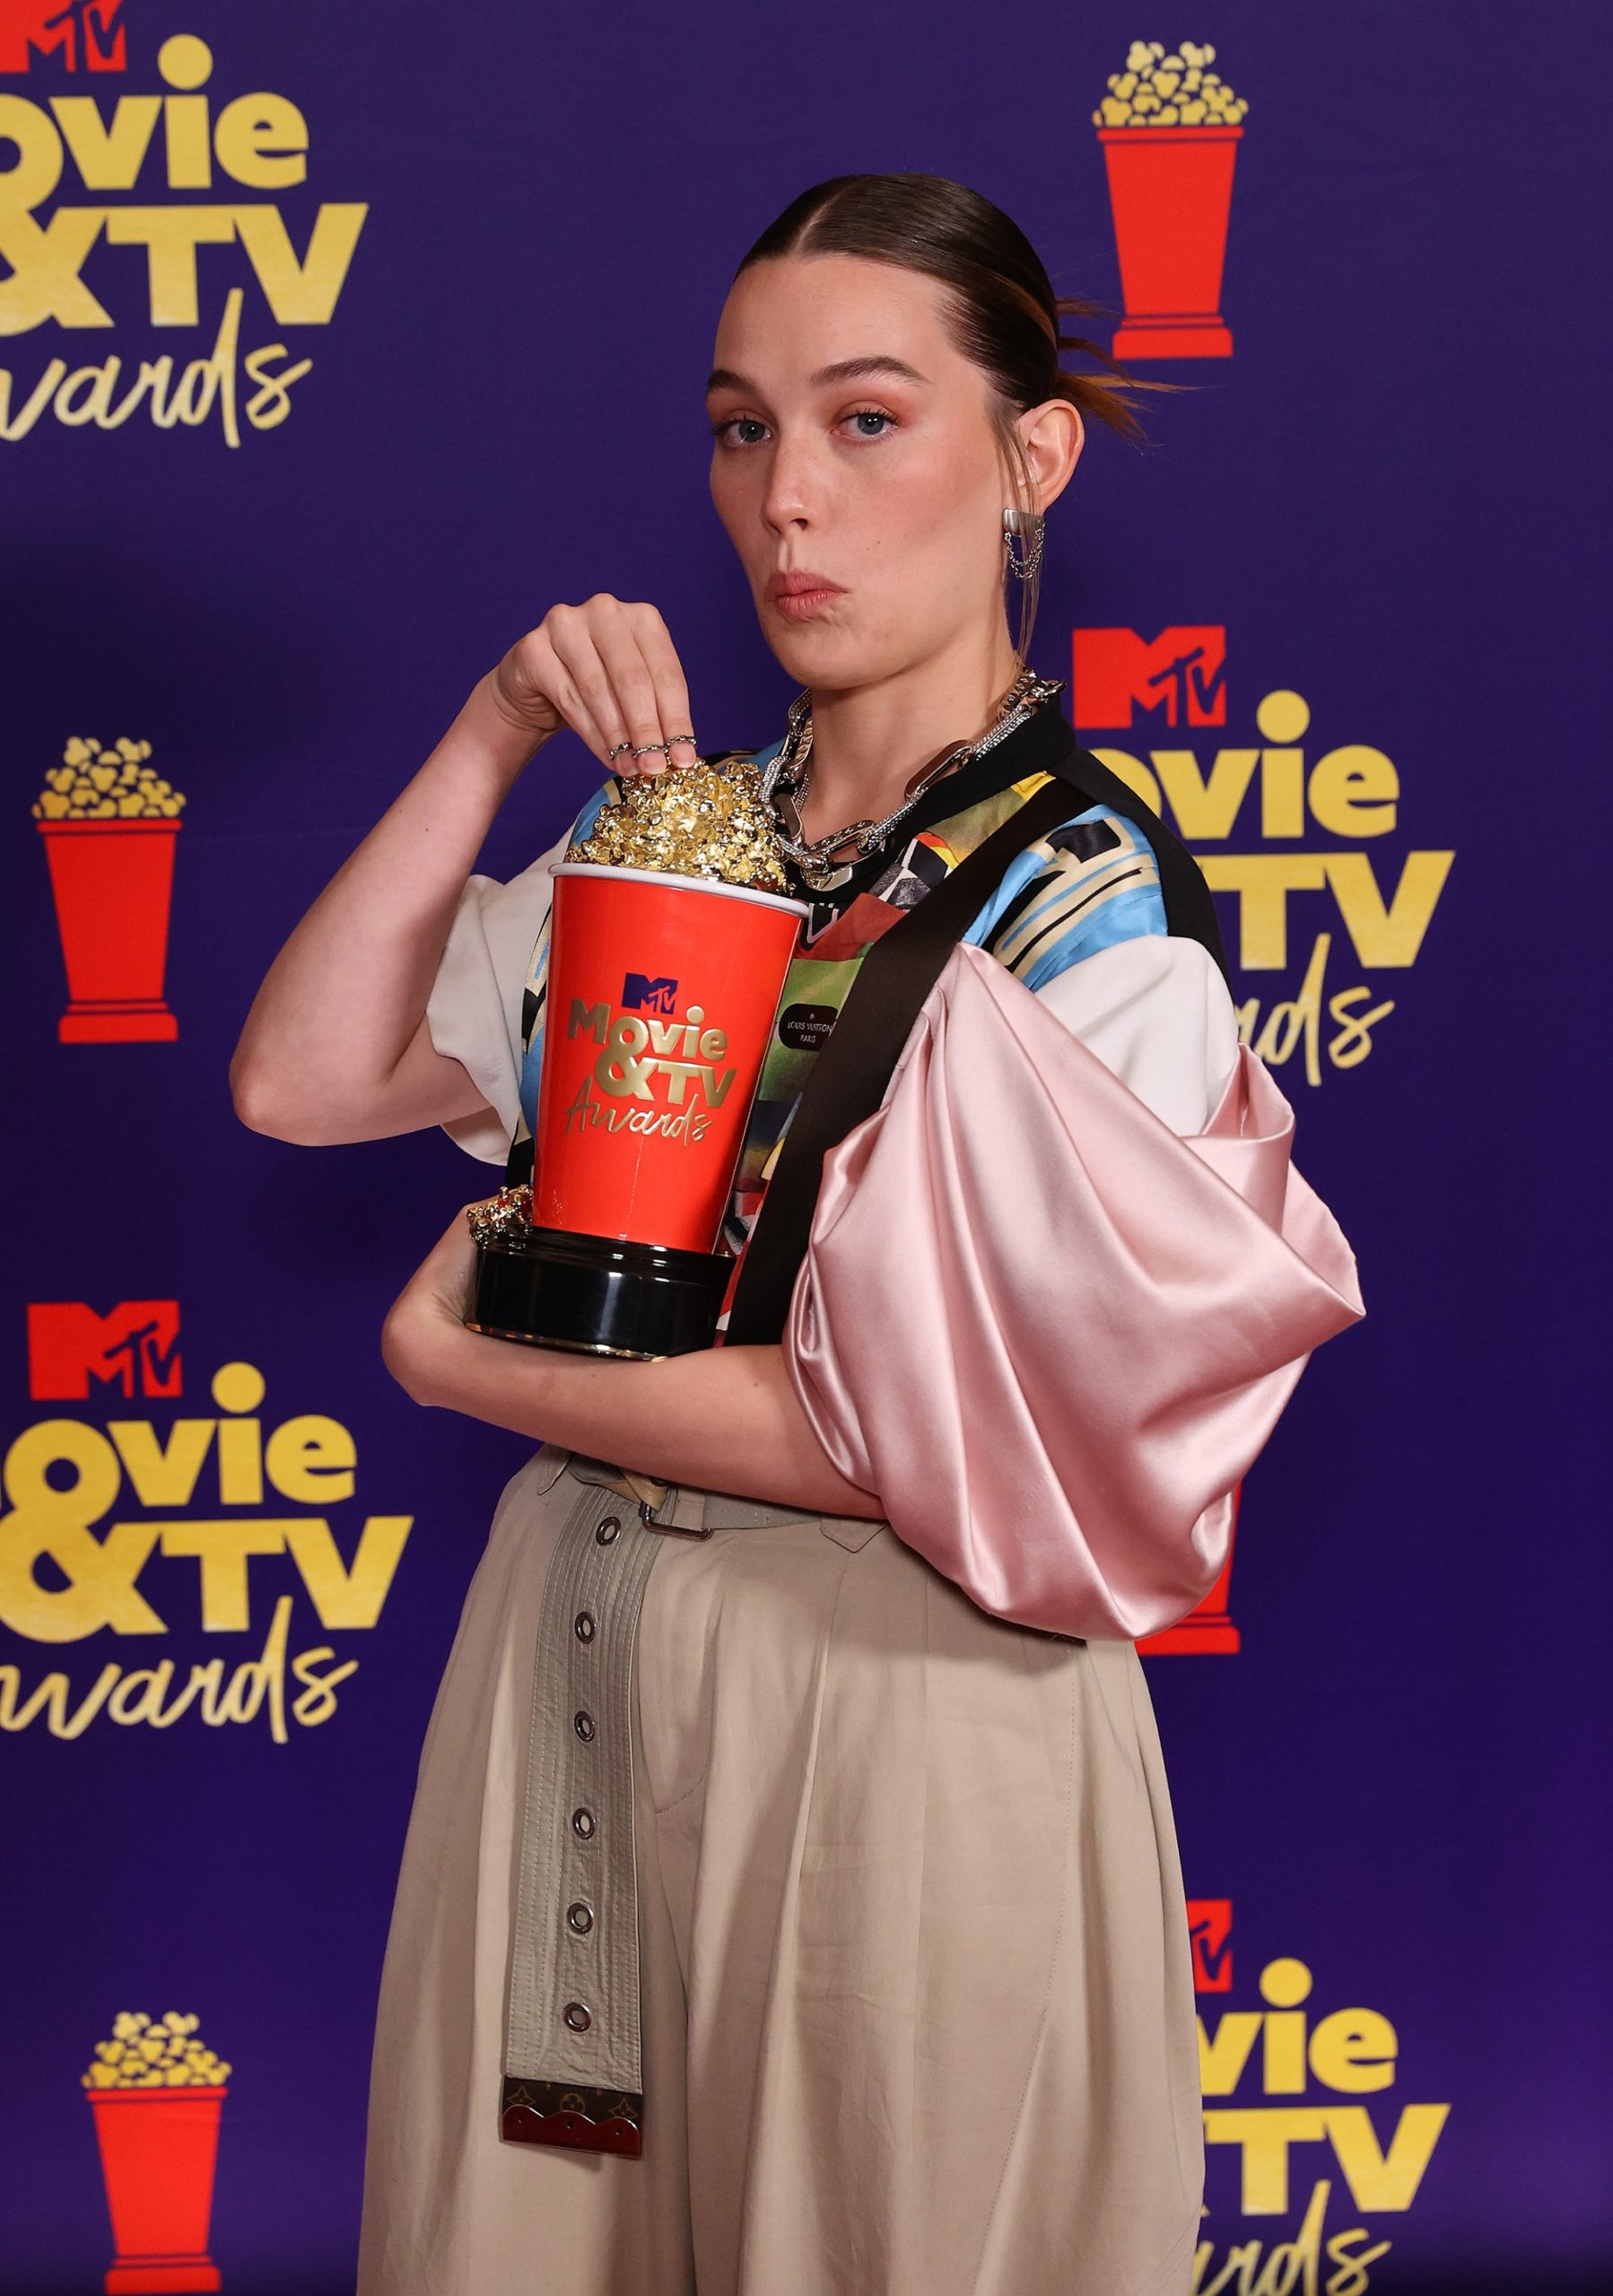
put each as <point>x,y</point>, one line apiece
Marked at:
<point>784,784</point>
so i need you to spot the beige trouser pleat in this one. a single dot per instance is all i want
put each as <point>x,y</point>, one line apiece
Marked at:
<point>916,2005</point>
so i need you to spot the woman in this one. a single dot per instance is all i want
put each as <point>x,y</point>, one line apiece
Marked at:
<point>839,1945</point>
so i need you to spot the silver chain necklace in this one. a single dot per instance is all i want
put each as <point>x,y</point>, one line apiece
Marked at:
<point>784,784</point>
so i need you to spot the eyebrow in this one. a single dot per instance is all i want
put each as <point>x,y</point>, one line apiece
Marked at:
<point>844,370</point>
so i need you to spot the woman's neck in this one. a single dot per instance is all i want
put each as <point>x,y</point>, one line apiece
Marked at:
<point>868,741</point>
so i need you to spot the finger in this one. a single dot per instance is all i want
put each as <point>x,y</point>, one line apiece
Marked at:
<point>631,685</point>
<point>671,687</point>
<point>579,681</point>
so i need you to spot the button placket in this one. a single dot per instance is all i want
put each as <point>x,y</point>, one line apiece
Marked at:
<point>579,1914</point>
<point>574,1953</point>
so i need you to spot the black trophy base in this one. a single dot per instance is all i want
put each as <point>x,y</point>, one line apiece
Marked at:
<point>595,1295</point>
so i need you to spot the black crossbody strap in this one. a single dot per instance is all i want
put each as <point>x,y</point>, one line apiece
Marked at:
<point>849,1075</point>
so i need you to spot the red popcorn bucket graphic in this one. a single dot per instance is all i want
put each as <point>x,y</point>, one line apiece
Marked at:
<point>1170,190</point>
<point>112,881</point>
<point>1208,1630</point>
<point>662,993</point>
<point>158,2147</point>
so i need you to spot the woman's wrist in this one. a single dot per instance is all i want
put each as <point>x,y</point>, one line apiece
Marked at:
<point>495,734</point>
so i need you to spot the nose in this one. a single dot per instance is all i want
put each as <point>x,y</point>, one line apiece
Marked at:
<point>788,497</point>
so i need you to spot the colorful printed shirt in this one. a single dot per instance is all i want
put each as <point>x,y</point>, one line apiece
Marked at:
<point>1084,886</point>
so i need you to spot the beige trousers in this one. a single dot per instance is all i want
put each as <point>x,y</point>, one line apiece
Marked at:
<point>916,2003</point>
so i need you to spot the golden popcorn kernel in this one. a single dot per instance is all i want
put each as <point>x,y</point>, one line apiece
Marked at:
<point>1194,113</point>
<point>104,776</point>
<point>52,805</point>
<point>1168,82</point>
<point>78,750</point>
<point>60,777</point>
<point>692,821</point>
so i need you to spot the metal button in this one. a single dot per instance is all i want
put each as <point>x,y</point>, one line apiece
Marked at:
<point>578,2015</point>
<point>582,1722</point>
<point>583,1824</point>
<point>582,1626</point>
<point>608,1530</point>
<point>580,1917</point>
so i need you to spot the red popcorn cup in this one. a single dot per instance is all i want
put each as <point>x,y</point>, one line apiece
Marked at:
<point>158,2147</point>
<point>112,881</point>
<point>1170,190</point>
<point>662,993</point>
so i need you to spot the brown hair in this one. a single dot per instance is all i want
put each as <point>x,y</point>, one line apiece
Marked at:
<point>1002,309</point>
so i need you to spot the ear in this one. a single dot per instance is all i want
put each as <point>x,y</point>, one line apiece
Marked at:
<point>1053,435</point>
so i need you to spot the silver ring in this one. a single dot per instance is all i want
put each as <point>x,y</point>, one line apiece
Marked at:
<point>673,739</point>
<point>617,751</point>
<point>644,748</point>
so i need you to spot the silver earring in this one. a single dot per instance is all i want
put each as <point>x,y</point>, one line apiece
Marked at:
<point>1030,527</point>
<point>1026,566</point>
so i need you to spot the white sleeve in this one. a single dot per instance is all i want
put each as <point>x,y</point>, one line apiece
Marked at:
<point>474,1013</point>
<point>1156,1012</point>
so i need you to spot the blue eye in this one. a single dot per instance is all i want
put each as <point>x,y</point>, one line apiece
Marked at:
<point>735,422</point>
<point>871,414</point>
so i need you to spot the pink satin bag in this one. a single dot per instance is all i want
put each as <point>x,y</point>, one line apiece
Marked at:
<point>1050,1335</point>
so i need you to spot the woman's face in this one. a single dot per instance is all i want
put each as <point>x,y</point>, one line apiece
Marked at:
<point>855,452</point>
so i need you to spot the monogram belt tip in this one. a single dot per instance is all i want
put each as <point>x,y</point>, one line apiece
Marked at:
<point>560,2112</point>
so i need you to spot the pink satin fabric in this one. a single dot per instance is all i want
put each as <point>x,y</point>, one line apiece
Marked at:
<point>1048,1333</point>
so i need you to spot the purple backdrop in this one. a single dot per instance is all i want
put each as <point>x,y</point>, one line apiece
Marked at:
<point>1382,502</point>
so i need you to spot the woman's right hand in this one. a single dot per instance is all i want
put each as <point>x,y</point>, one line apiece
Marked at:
<point>608,669</point>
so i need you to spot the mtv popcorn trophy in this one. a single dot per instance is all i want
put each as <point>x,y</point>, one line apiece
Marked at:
<point>668,943</point>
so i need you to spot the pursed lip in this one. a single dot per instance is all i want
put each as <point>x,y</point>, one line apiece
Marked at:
<point>800,583</point>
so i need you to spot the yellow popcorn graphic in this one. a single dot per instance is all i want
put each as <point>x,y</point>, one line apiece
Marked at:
<point>115,783</point>
<point>1177,90</point>
<point>163,2053</point>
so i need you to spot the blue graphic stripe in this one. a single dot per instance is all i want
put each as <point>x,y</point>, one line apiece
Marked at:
<point>1101,912</point>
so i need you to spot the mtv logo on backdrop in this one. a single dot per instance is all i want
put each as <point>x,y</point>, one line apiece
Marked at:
<point>1209,1928</point>
<point>135,1347</point>
<point>1179,676</point>
<point>83,35</point>
<point>642,994</point>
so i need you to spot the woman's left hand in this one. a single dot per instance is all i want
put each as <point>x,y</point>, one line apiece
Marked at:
<point>426,1321</point>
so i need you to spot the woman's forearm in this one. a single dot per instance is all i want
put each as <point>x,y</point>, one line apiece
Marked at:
<point>724,1420</point>
<point>344,1000</point>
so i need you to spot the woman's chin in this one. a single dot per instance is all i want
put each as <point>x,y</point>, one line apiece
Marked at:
<point>820,651</point>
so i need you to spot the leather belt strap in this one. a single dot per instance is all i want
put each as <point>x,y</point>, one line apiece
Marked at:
<point>572,2072</point>
<point>572,2069</point>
